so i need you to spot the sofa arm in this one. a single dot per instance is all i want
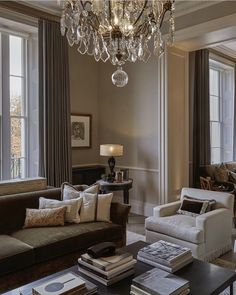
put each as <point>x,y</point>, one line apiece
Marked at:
<point>119,215</point>
<point>167,209</point>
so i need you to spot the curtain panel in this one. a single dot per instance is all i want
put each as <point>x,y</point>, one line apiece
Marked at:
<point>201,115</point>
<point>54,105</point>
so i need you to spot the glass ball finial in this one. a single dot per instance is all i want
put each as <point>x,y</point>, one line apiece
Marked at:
<point>120,78</point>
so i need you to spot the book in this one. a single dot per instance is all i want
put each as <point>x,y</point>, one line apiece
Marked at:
<point>107,274</point>
<point>104,281</point>
<point>165,252</point>
<point>159,282</point>
<point>137,291</point>
<point>88,289</point>
<point>61,285</point>
<point>164,267</point>
<point>109,262</point>
<point>165,262</point>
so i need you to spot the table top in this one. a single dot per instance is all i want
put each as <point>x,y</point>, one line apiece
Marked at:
<point>205,278</point>
<point>123,183</point>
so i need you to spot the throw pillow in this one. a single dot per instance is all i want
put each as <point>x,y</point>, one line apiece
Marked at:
<point>211,205</point>
<point>193,207</point>
<point>44,217</point>
<point>104,207</point>
<point>232,176</point>
<point>221,173</point>
<point>72,207</point>
<point>88,207</point>
<point>70,192</point>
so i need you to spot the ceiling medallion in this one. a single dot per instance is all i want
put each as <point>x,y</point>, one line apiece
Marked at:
<point>118,30</point>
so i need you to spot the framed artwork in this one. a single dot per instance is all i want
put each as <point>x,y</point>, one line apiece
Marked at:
<point>81,131</point>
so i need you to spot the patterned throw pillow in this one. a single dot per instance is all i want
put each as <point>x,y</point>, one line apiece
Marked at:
<point>232,176</point>
<point>193,207</point>
<point>44,217</point>
<point>72,207</point>
<point>211,205</point>
<point>221,173</point>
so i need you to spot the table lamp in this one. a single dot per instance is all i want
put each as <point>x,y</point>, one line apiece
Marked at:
<point>111,151</point>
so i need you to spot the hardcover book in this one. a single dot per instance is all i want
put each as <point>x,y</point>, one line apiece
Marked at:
<point>164,252</point>
<point>158,282</point>
<point>107,274</point>
<point>61,285</point>
<point>109,262</point>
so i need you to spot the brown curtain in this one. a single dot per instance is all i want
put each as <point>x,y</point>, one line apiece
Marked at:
<point>54,105</point>
<point>201,115</point>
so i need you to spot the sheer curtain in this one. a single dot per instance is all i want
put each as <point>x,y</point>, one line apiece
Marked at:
<point>54,105</point>
<point>201,115</point>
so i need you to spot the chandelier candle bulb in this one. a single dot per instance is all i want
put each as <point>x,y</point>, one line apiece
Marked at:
<point>118,30</point>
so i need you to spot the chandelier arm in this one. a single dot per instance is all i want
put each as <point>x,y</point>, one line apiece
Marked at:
<point>82,4</point>
<point>141,13</point>
<point>167,7</point>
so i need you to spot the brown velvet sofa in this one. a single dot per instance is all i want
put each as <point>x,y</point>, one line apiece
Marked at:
<point>29,249</point>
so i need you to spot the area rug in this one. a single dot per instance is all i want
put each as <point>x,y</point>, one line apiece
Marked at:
<point>133,237</point>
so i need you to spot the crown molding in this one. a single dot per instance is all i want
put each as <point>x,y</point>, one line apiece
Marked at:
<point>226,51</point>
<point>40,6</point>
<point>186,7</point>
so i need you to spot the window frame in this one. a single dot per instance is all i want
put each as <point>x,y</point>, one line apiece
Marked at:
<point>222,66</point>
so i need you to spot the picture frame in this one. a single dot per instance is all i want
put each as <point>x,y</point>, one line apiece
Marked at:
<point>81,125</point>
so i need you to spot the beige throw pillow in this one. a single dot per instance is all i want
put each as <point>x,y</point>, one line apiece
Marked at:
<point>88,207</point>
<point>72,207</point>
<point>70,192</point>
<point>44,217</point>
<point>104,207</point>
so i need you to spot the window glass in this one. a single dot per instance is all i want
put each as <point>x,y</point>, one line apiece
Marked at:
<point>16,56</point>
<point>214,108</point>
<point>214,82</point>
<point>16,103</point>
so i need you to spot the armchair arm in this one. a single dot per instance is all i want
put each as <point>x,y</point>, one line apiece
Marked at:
<point>167,209</point>
<point>217,228</point>
<point>119,215</point>
<point>214,218</point>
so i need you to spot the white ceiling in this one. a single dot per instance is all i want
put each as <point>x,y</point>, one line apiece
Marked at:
<point>182,6</point>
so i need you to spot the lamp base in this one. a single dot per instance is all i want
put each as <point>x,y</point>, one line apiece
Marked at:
<point>111,164</point>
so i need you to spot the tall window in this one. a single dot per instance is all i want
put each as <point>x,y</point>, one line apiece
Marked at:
<point>221,111</point>
<point>19,104</point>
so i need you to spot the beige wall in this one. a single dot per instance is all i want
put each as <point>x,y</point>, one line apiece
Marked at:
<point>128,116</point>
<point>178,124</point>
<point>84,100</point>
<point>139,116</point>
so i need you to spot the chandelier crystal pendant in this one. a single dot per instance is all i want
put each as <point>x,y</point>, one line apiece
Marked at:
<point>118,30</point>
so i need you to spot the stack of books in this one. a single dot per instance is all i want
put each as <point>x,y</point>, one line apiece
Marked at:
<point>159,282</point>
<point>107,270</point>
<point>167,256</point>
<point>67,284</point>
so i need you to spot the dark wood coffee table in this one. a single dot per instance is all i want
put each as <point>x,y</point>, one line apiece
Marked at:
<point>205,278</point>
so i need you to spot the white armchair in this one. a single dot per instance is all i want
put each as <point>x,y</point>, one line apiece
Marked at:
<point>207,235</point>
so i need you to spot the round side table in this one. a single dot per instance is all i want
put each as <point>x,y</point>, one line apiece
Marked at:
<point>124,186</point>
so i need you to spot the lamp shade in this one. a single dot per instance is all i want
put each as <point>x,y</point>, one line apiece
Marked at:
<point>111,150</point>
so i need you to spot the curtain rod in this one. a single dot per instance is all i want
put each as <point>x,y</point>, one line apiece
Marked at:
<point>29,11</point>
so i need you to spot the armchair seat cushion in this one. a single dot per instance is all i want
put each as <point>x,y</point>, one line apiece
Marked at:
<point>14,254</point>
<point>52,242</point>
<point>178,226</point>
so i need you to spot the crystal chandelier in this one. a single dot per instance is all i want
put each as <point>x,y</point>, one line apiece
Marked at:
<point>117,30</point>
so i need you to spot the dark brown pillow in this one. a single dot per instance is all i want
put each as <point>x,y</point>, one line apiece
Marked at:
<point>193,207</point>
<point>211,206</point>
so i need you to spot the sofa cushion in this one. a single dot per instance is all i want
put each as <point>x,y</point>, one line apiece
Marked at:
<point>14,254</point>
<point>51,242</point>
<point>179,226</point>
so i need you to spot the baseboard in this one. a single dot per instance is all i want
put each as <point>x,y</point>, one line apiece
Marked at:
<point>142,208</point>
